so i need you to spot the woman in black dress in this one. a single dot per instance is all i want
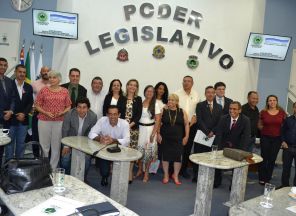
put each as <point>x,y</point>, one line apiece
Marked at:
<point>174,133</point>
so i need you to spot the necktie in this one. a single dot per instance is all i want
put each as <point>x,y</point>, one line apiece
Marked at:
<point>211,107</point>
<point>233,124</point>
<point>73,97</point>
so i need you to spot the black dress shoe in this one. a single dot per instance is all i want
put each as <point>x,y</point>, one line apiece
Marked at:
<point>104,181</point>
<point>217,185</point>
<point>130,181</point>
<point>194,180</point>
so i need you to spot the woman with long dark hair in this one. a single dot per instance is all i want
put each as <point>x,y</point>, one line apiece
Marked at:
<point>114,97</point>
<point>148,126</point>
<point>270,122</point>
<point>161,94</point>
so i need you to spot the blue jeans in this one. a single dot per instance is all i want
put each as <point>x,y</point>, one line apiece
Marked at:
<point>16,147</point>
<point>65,163</point>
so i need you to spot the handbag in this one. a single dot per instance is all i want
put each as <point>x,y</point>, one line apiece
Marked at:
<point>25,174</point>
<point>238,155</point>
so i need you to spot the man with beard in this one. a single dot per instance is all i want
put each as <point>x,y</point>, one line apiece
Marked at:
<point>37,86</point>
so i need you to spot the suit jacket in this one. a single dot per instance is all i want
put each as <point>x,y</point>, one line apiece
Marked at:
<point>82,92</point>
<point>7,99</point>
<point>137,110</point>
<point>71,123</point>
<point>238,137</point>
<point>23,105</point>
<point>120,104</point>
<point>227,102</point>
<point>207,121</point>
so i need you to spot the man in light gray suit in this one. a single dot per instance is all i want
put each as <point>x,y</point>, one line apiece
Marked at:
<point>77,122</point>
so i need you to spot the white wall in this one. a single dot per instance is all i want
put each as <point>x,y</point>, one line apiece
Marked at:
<point>227,23</point>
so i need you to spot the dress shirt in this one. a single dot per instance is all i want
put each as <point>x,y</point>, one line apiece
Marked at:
<point>19,88</point>
<point>120,131</point>
<point>233,121</point>
<point>188,101</point>
<point>220,100</point>
<point>97,101</point>
<point>3,83</point>
<point>81,122</point>
<point>38,85</point>
<point>70,87</point>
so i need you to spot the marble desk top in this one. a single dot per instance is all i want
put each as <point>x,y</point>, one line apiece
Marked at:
<point>4,140</point>
<point>75,189</point>
<point>89,146</point>
<point>252,207</point>
<point>220,161</point>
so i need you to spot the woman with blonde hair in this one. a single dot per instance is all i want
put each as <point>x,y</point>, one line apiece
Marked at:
<point>52,103</point>
<point>270,121</point>
<point>174,133</point>
<point>132,113</point>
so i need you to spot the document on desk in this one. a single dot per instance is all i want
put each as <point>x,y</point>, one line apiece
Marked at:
<point>203,139</point>
<point>55,206</point>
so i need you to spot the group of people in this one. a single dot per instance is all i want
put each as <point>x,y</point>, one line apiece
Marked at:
<point>161,126</point>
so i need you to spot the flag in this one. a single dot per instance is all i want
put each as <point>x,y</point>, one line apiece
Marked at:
<point>32,64</point>
<point>40,62</point>
<point>27,64</point>
<point>22,56</point>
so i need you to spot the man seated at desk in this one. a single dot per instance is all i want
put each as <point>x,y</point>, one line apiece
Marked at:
<point>77,122</point>
<point>233,131</point>
<point>108,130</point>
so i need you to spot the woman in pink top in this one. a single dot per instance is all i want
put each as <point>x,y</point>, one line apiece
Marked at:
<point>52,103</point>
<point>270,122</point>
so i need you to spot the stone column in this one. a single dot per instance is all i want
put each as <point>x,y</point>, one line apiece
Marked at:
<point>204,191</point>
<point>78,164</point>
<point>119,184</point>
<point>238,187</point>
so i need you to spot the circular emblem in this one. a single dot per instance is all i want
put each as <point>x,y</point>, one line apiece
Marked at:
<point>122,55</point>
<point>42,16</point>
<point>257,40</point>
<point>192,62</point>
<point>158,52</point>
<point>50,210</point>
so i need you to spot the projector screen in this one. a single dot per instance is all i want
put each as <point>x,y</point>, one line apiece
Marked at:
<point>267,46</point>
<point>55,24</point>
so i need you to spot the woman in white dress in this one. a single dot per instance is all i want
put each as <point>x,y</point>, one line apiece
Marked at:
<point>148,126</point>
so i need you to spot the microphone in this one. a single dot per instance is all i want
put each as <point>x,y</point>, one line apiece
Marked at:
<point>114,149</point>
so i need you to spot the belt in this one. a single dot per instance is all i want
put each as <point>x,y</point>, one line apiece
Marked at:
<point>150,124</point>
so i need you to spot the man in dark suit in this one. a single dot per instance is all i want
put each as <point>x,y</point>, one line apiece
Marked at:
<point>20,119</point>
<point>75,89</point>
<point>77,122</point>
<point>208,115</point>
<point>7,99</point>
<point>220,97</point>
<point>233,131</point>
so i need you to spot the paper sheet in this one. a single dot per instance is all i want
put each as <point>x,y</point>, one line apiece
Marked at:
<point>55,206</point>
<point>201,138</point>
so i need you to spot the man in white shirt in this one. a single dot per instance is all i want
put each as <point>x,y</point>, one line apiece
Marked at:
<point>108,130</point>
<point>188,98</point>
<point>96,96</point>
